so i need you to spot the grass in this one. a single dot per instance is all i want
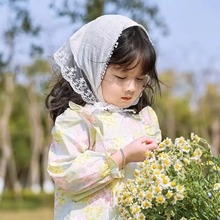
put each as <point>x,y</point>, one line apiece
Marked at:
<point>36,214</point>
<point>26,206</point>
<point>25,200</point>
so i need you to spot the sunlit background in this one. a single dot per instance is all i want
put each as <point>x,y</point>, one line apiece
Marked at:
<point>186,35</point>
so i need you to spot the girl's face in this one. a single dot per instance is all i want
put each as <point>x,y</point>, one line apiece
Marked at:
<point>121,87</point>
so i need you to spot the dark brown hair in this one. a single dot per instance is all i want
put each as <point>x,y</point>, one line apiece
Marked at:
<point>133,44</point>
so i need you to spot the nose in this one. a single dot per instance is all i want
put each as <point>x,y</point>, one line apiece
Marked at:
<point>130,86</point>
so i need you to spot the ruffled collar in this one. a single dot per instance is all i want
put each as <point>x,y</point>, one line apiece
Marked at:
<point>103,106</point>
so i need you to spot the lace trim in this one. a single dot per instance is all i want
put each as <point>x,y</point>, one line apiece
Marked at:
<point>103,106</point>
<point>78,84</point>
<point>109,57</point>
<point>72,74</point>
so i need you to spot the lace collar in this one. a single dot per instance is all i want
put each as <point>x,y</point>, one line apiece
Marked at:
<point>103,106</point>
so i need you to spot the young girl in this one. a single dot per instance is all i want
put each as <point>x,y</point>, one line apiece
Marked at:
<point>103,120</point>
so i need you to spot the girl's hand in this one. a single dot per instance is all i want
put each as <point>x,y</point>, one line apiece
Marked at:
<point>135,151</point>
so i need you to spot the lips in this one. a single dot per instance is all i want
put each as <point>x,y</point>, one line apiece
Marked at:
<point>126,98</point>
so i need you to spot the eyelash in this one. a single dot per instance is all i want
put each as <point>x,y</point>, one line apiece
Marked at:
<point>121,78</point>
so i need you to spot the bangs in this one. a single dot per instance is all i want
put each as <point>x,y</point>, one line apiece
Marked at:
<point>134,48</point>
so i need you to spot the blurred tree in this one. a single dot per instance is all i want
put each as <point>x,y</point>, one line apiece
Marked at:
<point>142,11</point>
<point>178,114</point>
<point>7,161</point>
<point>19,23</point>
<point>20,130</point>
<point>183,116</point>
<point>34,73</point>
<point>165,108</point>
<point>209,112</point>
<point>173,107</point>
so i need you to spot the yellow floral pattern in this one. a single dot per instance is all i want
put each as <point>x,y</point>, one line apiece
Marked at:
<point>86,177</point>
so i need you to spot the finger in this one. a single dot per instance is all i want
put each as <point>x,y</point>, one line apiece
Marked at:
<point>152,146</point>
<point>146,140</point>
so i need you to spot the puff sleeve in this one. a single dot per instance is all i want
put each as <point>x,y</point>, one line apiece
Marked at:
<point>73,164</point>
<point>150,121</point>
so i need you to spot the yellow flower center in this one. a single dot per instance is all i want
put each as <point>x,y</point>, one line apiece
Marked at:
<point>165,181</point>
<point>136,172</point>
<point>180,188</point>
<point>149,196</point>
<point>167,142</point>
<point>169,194</point>
<point>158,189</point>
<point>167,162</point>
<point>161,145</point>
<point>154,166</point>
<point>173,184</point>
<point>160,199</point>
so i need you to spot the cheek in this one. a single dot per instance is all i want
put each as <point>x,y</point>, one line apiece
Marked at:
<point>137,94</point>
<point>109,91</point>
<point>105,90</point>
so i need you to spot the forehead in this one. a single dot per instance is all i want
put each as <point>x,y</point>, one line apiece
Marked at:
<point>135,67</point>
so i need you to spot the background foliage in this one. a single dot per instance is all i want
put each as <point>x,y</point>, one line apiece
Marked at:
<point>24,122</point>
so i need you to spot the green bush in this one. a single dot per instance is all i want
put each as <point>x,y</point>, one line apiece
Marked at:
<point>25,200</point>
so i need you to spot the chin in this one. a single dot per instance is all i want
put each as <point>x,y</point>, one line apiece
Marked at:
<point>121,104</point>
<point>125,105</point>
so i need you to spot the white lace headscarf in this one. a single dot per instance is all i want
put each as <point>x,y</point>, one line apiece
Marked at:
<point>84,57</point>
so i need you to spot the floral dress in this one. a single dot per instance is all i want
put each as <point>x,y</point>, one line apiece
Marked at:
<point>86,178</point>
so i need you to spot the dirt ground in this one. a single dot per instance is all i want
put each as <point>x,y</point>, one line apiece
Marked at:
<point>39,214</point>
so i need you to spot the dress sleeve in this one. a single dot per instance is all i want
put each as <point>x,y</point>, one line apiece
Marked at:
<point>73,164</point>
<point>150,121</point>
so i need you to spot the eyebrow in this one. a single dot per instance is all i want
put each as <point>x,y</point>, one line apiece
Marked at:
<point>127,74</point>
<point>125,70</point>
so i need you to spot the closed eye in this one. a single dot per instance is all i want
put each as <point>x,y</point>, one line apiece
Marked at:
<point>119,77</point>
<point>140,79</point>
